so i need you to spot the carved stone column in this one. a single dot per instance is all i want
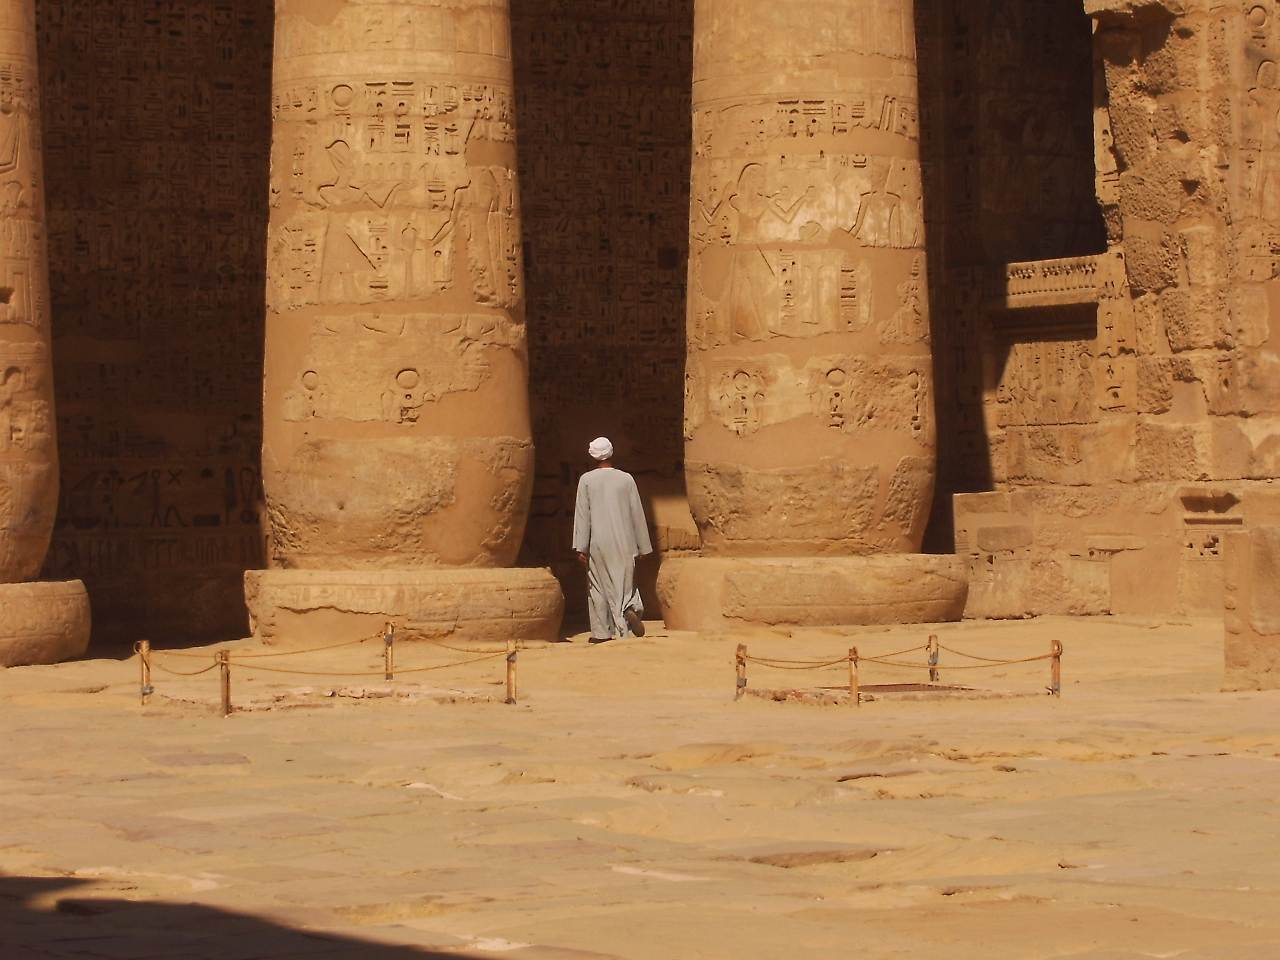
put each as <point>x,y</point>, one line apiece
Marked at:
<point>397,455</point>
<point>40,622</point>
<point>809,407</point>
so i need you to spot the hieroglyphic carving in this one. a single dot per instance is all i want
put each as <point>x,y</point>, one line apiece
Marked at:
<point>156,144</point>
<point>783,293</point>
<point>853,394</point>
<point>848,393</point>
<point>806,225</point>
<point>386,162</point>
<point>1048,383</point>
<point>26,423</point>
<point>910,322</point>
<point>829,502</point>
<point>373,367</point>
<point>23,282</point>
<point>394,186</point>
<point>28,457</point>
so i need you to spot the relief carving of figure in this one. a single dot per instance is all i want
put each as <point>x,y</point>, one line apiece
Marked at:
<point>764,293</point>
<point>882,201</point>
<point>909,323</point>
<point>1262,131</point>
<point>479,218</point>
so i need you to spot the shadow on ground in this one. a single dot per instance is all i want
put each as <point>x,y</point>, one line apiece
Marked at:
<point>37,923</point>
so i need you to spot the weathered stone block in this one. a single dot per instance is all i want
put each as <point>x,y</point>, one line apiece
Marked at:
<point>996,539</point>
<point>43,622</point>
<point>999,588</point>
<point>1251,609</point>
<point>714,594</point>
<point>303,607</point>
<point>1070,586</point>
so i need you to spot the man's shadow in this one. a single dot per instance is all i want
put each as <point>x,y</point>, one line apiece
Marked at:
<point>87,927</point>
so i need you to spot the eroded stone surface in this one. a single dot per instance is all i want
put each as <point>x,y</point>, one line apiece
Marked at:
<point>28,446</point>
<point>396,425</point>
<point>43,622</point>
<point>397,432</point>
<point>1251,608</point>
<point>809,370</point>
<point>303,607</point>
<point>808,398</point>
<point>721,593</point>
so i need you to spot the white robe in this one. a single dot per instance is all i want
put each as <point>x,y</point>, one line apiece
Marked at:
<point>609,527</point>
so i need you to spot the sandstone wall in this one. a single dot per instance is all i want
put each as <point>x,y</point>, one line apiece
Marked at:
<point>157,129</point>
<point>1142,432</point>
<point>602,101</point>
<point>1007,146</point>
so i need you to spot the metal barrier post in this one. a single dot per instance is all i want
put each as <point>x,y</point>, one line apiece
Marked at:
<point>742,672</point>
<point>855,692</point>
<point>1055,686</point>
<point>933,658</point>
<point>512,650</point>
<point>224,662</point>
<point>144,654</point>
<point>388,654</point>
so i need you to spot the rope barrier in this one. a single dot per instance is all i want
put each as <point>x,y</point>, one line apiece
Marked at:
<point>176,653</point>
<point>377,673</point>
<point>898,653</point>
<point>224,659</point>
<point>445,646</point>
<point>971,656</point>
<point>292,653</point>
<point>812,664</point>
<point>182,673</point>
<point>742,658</point>
<point>815,664</point>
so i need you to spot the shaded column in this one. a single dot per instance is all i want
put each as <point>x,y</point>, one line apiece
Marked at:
<point>809,408</point>
<point>397,455</point>
<point>40,622</point>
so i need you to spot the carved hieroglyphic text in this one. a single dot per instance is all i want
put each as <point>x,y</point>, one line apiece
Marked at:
<point>22,250</point>
<point>370,367</point>
<point>25,416</point>
<point>851,394</point>
<point>387,200</point>
<point>784,201</point>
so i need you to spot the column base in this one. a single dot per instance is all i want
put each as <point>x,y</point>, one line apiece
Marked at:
<point>714,594</point>
<point>305,607</point>
<point>43,622</point>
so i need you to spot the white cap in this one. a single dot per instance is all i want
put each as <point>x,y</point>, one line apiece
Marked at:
<point>601,448</point>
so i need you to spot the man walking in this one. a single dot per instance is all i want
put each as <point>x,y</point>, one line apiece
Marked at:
<point>609,533</point>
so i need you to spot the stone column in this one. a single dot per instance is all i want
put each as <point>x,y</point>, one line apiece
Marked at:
<point>40,622</point>
<point>397,454</point>
<point>809,407</point>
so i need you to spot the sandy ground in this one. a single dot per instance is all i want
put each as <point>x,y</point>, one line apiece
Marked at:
<point>627,807</point>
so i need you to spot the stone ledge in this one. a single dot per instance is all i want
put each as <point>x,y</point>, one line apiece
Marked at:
<point>302,607</point>
<point>43,622</point>
<point>713,594</point>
